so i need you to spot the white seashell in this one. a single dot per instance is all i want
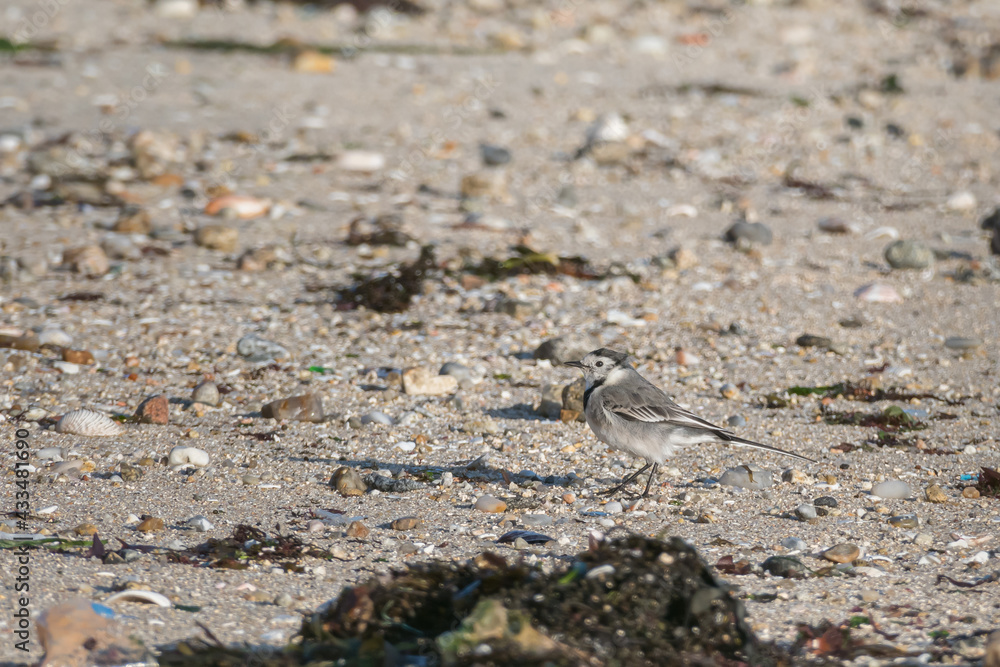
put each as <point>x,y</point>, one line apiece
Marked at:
<point>51,454</point>
<point>682,211</point>
<point>366,161</point>
<point>888,233</point>
<point>243,206</point>
<point>200,524</point>
<point>192,456</point>
<point>148,597</point>
<point>406,446</point>
<point>55,337</point>
<point>88,422</point>
<point>66,367</point>
<point>608,127</point>
<point>962,201</point>
<point>879,293</point>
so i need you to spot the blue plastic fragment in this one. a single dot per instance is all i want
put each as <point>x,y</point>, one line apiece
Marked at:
<point>102,610</point>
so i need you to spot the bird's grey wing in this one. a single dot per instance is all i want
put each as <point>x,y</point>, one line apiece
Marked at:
<point>646,403</point>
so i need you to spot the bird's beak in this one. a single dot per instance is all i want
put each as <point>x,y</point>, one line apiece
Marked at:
<point>574,364</point>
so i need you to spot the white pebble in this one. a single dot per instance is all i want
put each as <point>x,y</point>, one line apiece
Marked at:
<point>892,488</point>
<point>192,456</point>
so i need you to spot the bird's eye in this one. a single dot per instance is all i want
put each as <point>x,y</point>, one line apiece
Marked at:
<point>599,364</point>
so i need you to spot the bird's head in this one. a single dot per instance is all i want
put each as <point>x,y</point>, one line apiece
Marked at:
<point>599,364</point>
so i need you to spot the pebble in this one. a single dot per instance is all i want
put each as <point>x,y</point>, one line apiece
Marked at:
<point>904,254</point>
<point>217,237</point>
<point>825,501</point>
<point>923,539</point>
<point>962,201</point>
<point>519,309</point>
<point>613,507</point>
<point>494,156</point>
<point>377,417</point>
<point>806,512</point>
<point>572,401</point>
<point>150,525</point>
<point>423,382</point>
<point>749,234</point>
<point>303,408</point>
<point>206,393</point>
<point>750,477</point>
<point>315,526</point>
<point>153,410</point>
<point>783,566</point>
<point>836,226</point>
<point>460,372</point>
<point>255,349</point>
<point>89,260</point>
<point>52,336</point>
<point>970,492</point>
<point>314,62</point>
<point>129,472</point>
<point>184,456</point>
<point>488,503</point>
<point>794,544</point>
<point>962,343</point>
<point>536,520</point>
<point>176,9</point>
<point>357,530</point>
<point>88,423</point>
<point>361,161</point>
<point>406,523</point>
<point>892,488</point>
<point>250,480</point>
<point>85,529</point>
<point>904,521</point>
<point>730,391</point>
<point>795,476</point>
<point>79,357</point>
<point>736,421</point>
<point>812,340</point>
<point>50,454</point>
<point>27,342</point>
<point>200,524</point>
<point>878,293</point>
<point>284,600</point>
<point>66,367</point>
<point>568,347</point>
<point>935,494</point>
<point>347,482</point>
<point>842,553</point>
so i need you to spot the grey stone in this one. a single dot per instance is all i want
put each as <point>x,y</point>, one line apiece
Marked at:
<point>572,398</point>
<point>904,254</point>
<point>962,343</point>
<point>458,371</point>
<point>784,566</point>
<point>569,347</point>
<point>825,501</point>
<point>494,156</point>
<point>736,421</point>
<point>794,544</point>
<point>256,349</point>
<point>536,520</point>
<point>750,477</point>
<point>749,234</point>
<point>376,417</point>
<point>805,511</point>
<point>892,488</point>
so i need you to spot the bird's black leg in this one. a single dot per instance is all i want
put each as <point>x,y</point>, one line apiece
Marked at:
<point>626,481</point>
<point>652,473</point>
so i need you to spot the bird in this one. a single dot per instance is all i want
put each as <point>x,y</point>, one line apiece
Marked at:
<point>629,413</point>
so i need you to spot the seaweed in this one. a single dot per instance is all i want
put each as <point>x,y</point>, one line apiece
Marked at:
<point>389,293</point>
<point>988,483</point>
<point>869,391</point>
<point>891,420</point>
<point>526,261</point>
<point>630,601</point>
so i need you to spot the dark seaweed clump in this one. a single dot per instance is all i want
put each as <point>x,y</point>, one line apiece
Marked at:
<point>630,601</point>
<point>390,293</point>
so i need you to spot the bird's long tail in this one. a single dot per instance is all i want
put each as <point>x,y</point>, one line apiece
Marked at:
<point>743,442</point>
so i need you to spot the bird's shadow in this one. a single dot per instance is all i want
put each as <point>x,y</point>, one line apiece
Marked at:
<point>523,411</point>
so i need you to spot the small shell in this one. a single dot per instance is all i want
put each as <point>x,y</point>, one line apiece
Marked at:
<point>88,422</point>
<point>193,456</point>
<point>363,161</point>
<point>889,233</point>
<point>879,293</point>
<point>245,207</point>
<point>149,597</point>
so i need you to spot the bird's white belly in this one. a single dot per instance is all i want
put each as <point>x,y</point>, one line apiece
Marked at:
<point>653,441</point>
